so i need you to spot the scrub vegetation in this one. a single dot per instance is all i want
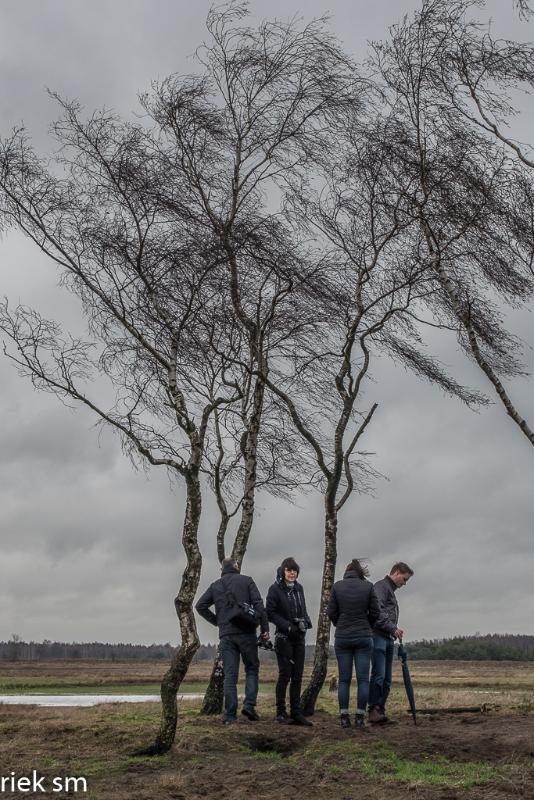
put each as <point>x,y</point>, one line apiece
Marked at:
<point>444,753</point>
<point>466,756</point>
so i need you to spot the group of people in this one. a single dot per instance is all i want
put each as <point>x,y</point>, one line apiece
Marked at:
<point>365,617</point>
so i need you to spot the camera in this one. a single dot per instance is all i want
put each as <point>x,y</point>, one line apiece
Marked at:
<point>301,624</point>
<point>266,644</point>
<point>248,609</point>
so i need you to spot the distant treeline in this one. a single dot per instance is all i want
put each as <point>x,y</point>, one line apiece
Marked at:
<point>18,650</point>
<point>492,647</point>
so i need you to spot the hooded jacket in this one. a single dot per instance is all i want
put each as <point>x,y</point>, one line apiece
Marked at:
<point>353,608</point>
<point>285,605</point>
<point>244,590</point>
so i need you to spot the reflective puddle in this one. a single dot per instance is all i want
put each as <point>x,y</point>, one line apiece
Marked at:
<point>85,699</point>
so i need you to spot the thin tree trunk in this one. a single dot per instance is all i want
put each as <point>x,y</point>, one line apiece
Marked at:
<point>251,473</point>
<point>184,608</point>
<point>322,642</point>
<point>221,533</point>
<point>223,510</point>
<point>213,697</point>
<point>332,506</point>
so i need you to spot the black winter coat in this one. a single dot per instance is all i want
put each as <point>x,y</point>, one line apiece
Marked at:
<point>285,605</point>
<point>353,606</point>
<point>244,590</point>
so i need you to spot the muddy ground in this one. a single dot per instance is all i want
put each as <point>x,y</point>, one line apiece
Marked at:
<point>467,756</point>
<point>447,757</point>
<point>327,762</point>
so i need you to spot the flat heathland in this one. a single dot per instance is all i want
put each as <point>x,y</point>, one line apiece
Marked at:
<point>462,756</point>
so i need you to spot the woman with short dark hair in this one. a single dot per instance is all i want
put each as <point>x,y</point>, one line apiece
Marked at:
<point>286,608</point>
<point>353,609</point>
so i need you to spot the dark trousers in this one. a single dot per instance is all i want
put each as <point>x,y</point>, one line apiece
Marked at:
<point>233,648</point>
<point>382,666</point>
<point>290,656</point>
<point>357,651</point>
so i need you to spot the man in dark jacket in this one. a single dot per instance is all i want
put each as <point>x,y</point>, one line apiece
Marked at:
<point>385,631</point>
<point>231,595</point>
<point>286,608</point>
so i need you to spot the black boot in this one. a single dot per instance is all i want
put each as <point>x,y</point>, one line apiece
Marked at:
<point>250,713</point>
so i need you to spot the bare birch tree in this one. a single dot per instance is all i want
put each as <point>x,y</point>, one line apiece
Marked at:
<point>370,287</point>
<point>147,291</point>
<point>232,137</point>
<point>274,224</point>
<point>265,103</point>
<point>272,102</point>
<point>447,83</point>
<point>167,196</point>
<point>280,469</point>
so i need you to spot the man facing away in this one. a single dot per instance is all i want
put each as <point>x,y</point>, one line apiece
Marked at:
<point>237,640</point>
<point>383,639</point>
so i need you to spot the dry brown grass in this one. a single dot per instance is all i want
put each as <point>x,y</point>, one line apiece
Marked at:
<point>465,758</point>
<point>447,675</point>
<point>462,757</point>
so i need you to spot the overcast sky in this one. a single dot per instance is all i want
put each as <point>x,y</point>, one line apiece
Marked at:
<point>90,548</point>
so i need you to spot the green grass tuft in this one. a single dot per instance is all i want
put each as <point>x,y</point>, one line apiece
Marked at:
<point>385,764</point>
<point>271,755</point>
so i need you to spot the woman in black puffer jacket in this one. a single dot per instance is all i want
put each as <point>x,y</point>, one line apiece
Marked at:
<point>286,608</point>
<point>354,609</point>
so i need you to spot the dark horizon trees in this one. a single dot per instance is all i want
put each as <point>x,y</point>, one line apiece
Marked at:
<point>476,647</point>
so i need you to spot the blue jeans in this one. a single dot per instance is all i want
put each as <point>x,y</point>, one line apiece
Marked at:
<point>354,650</point>
<point>381,672</point>
<point>234,647</point>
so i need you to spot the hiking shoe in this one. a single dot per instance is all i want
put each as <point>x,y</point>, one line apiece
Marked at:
<point>229,721</point>
<point>359,721</point>
<point>377,716</point>
<point>283,719</point>
<point>250,714</point>
<point>299,719</point>
<point>344,720</point>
